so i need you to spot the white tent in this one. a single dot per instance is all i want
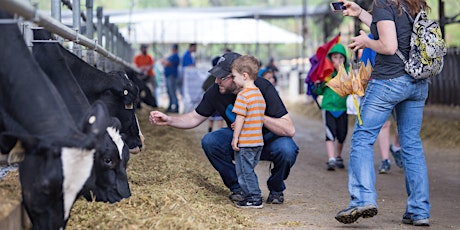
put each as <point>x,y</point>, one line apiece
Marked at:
<point>207,31</point>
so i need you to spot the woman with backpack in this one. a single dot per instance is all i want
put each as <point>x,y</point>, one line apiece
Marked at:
<point>390,88</point>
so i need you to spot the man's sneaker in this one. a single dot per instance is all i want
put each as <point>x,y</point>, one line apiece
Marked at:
<point>236,196</point>
<point>397,156</point>
<point>422,222</point>
<point>339,162</point>
<point>275,198</point>
<point>331,165</point>
<point>351,214</point>
<point>385,167</point>
<point>250,204</point>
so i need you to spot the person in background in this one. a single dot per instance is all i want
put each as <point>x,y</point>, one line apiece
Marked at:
<point>384,136</point>
<point>145,63</point>
<point>216,117</point>
<point>268,74</point>
<point>247,139</point>
<point>171,71</point>
<point>334,110</point>
<point>278,130</point>
<point>390,87</point>
<point>187,61</point>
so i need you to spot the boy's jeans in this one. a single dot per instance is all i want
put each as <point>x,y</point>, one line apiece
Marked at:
<point>408,97</point>
<point>246,160</point>
<point>282,151</point>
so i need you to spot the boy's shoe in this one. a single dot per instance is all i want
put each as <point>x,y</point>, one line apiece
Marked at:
<point>351,214</point>
<point>236,196</point>
<point>339,162</point>
<point>331,165</point>
<point>397,156</point>
<point>422,222</point>
<point>250,204</point>
<point>275,198</point>
<point>385,167</point>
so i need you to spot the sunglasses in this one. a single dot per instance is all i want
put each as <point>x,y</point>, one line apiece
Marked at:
<point>225,78</point>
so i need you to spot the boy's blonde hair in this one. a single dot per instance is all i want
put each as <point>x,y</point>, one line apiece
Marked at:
<point>247,64</point>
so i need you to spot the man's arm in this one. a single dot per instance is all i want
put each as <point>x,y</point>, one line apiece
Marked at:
<point>184,121</point>
<point>282,126</point>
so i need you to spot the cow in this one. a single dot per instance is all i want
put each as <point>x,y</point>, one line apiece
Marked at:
<point>145,94</point>
<point>109,181</point>
<point>115,89</point>
<point>59,153</point>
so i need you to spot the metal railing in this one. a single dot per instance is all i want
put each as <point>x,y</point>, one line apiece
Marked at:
<point>113,40</point>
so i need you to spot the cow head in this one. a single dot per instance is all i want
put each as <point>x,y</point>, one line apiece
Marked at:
<point>55,169</point>
<point>109,182</point>
<point>125,112</point>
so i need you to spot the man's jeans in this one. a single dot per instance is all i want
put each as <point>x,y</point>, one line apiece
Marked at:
<point>246,160</point>
<point>282,151</point>
<point>408,97</point>
<point>171,87</point>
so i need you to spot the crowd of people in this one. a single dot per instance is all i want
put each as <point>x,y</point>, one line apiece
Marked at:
<point>258,126</point>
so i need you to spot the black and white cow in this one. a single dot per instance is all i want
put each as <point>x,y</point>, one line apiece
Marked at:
<point>145,94</point>
<point>115,89</point>
<point>59,154</point>
<point>109,181</point>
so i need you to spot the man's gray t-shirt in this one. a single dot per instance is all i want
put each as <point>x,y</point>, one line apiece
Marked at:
<point>391,66</point>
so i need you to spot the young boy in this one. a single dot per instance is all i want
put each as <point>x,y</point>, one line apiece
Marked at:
<point>334,108</point>
<point>247,139</point>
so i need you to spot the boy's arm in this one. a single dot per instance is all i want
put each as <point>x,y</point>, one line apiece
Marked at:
<point>238,125</point>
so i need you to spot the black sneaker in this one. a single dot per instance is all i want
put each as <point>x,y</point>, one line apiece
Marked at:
<point>236,196</point>
<point>397,156</point>
<point>422,222</point>
<point>250,204</point>
<point>275,198</point>
<point>339,162</point>
<point>351,214</point>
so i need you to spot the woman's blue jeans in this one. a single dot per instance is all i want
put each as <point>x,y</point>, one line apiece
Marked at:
<point>407,96</point>
<point>282,151</point>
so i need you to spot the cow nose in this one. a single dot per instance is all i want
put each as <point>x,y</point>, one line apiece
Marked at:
<point>129,106</point>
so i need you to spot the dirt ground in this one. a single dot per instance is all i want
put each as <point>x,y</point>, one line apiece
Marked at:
<point>174,186</point>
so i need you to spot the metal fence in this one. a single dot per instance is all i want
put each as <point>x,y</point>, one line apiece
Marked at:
<point>445,88</point>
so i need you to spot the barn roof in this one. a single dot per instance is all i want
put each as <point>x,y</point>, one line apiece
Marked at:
<point>239,25</point>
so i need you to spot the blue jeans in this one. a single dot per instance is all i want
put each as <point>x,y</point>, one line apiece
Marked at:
<point>407,96</point>
<point>171,88</point>
<point>282,151</point>
<point>246,160</point>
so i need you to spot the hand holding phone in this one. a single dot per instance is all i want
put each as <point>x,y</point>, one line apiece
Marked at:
<point>337,6</point>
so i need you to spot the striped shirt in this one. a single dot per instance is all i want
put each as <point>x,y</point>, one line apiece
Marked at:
<point>251,104</point>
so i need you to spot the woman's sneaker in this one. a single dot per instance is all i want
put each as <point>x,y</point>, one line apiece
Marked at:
<point>352,214</point>
<point>422,222</point>
<point>385,167</point>
<point>250,203</point>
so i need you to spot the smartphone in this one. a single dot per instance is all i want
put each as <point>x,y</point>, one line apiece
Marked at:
<point>337,6</point>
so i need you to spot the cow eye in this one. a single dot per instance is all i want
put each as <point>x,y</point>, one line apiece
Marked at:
<point>108,162</point>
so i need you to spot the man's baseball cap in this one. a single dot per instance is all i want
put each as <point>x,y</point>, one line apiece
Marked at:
<point>224,65</point>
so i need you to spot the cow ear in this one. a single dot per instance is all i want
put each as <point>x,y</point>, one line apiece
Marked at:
<point>96,119</point>
<point>115,123</point>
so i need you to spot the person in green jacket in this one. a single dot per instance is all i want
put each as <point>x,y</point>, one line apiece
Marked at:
<point>334,110</point>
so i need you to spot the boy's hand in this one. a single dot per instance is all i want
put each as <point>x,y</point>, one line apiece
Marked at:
<point>235,144</point>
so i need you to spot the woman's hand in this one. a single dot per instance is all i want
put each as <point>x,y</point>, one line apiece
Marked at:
<point>359,42</point>
<point>352,9</point>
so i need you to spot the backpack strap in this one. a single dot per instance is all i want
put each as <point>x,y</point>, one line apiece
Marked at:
<point>403,6</point>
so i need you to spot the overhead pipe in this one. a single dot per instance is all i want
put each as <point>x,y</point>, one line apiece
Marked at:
<point>26,10</point>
